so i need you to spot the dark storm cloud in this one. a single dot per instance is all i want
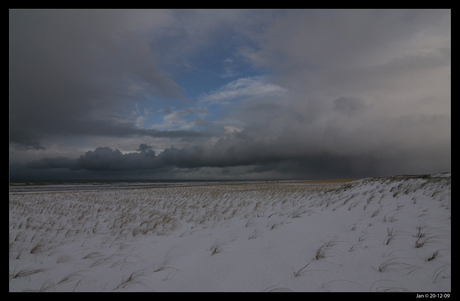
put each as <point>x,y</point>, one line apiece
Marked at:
<point>71,70</point>
<point>260,158</point>
<point>108,159</point>
<point>103,159</point>
<point>25,139</point>
<point>55,162</point>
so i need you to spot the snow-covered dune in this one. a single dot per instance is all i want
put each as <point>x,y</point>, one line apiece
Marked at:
<point>370,235</point>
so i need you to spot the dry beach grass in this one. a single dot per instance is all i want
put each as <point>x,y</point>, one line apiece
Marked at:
<point>373,234</point>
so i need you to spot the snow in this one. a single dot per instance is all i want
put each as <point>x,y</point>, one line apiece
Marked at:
<point>369,235</point>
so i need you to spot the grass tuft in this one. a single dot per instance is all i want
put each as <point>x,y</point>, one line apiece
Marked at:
<point>323,249</point>
<point>432,256</point>
<point>70,277</point>
<point>27,272</point>
<point>38,248</point>
<point>391,262</point>
<point>216,247</point>
<point>439,271</point>
<point>164,265</point>
<point>47,286</point>
<point>134,278</point>
<point>423,240</point>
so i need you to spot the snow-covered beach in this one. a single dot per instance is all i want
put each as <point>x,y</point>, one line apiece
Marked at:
<point>390,234</point>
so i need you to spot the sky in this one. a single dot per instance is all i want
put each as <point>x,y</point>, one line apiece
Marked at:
<point>228,94</point>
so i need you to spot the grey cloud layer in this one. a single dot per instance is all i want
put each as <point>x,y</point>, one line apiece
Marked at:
<point>70,70</point>
<point>292,156</point>
<point>363,92</point>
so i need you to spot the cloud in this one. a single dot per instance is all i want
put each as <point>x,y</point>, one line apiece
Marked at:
<point>242,87</point>
<point>349,105</point>
<point>77,72</point>
<point>352,77</point>
<point>103,159</point>
<point>336,39</point>
<point>25,139</point>
<point>140,121</point>
<point>179,120</point>
<point>301,154</point>
<point>54,162</point>
<point>73,68</point>
<point>346,93</point>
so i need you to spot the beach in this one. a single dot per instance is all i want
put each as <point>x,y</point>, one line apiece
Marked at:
<point>352,235</point>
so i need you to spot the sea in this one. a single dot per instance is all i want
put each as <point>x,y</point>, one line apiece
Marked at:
<point>73,185</point>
